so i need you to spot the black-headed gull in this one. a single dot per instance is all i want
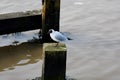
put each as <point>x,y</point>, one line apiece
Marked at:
<point>57,36</point>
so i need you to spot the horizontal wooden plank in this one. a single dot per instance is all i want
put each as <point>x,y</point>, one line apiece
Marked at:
<point>19,14</point>
<point>20,21</point>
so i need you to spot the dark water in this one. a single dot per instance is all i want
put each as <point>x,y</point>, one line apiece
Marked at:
<point>16,58</point>
<point>26,53</point>
<point>92,55</point>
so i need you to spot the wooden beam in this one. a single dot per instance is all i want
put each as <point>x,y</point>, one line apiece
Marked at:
<point>42,2</point>
<point>20,21</point>
<point>50,17</point>
<point>54,66</point>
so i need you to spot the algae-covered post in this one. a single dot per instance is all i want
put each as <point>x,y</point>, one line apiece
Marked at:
<point>50,17</point>
<point>42,2</point>
<point>54,65</point>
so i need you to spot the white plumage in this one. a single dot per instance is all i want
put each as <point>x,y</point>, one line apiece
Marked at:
<point>57,36</point>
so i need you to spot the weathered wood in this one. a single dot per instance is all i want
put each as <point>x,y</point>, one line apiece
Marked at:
<point>42,2</point>
<point>50,17</point>
<point>20,21</point>
<point>54,66</point>
<point>37,78</point>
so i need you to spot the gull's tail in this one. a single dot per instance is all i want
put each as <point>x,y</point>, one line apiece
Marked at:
<point>69,39</point>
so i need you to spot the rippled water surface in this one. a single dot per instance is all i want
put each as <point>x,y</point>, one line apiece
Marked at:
<point>22,60</point>
<point>93,54</point>
<point>24,54</point>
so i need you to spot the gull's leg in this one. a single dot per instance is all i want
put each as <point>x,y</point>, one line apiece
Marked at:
<point>57,44</point>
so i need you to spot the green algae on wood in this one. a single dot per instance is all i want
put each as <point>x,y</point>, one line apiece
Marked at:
<point>54,66</point>
<point>53,47</point>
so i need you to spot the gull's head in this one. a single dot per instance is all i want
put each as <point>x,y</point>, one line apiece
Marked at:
<point>50,31</point>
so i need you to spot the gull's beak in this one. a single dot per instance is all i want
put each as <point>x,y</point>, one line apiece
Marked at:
<point>48,32</point>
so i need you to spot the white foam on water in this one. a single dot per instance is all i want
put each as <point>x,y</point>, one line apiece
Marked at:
<point>78,3</point>
<point>24,61</point>
<point>19,38</point>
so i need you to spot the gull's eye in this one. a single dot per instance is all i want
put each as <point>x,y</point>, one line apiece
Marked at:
<point>50,31</point>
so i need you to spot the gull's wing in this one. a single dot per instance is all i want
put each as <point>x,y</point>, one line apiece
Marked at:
<point>60,36</point>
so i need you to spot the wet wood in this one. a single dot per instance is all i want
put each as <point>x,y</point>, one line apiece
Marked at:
<point>50,17</point>
<point>20,21</point>
<point>42,2</point>
<point>37,78</point>
<point>54,66</point>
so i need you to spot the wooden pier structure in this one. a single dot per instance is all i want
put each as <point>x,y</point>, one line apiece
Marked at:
<point>20,21</point>
<point>50,17</point>
<point>54,62</point>
<point>44,19</point>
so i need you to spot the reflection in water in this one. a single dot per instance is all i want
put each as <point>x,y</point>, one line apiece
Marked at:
<point>39,78</point>
<point>19,55</point>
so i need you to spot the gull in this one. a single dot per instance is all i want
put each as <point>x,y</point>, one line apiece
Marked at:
<point>57,36</point>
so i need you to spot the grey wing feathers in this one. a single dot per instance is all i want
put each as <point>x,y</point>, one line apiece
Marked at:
<point>60,37</point>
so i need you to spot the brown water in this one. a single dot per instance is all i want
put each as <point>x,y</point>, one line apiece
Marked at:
<point>93,54</point>
<point>23,59</point>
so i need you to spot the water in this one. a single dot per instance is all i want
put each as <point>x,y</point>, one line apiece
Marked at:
<point>24,54</point>
<point>22,61</point>
<point>93,54</point>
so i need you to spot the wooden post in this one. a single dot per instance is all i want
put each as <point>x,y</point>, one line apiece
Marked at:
<point>54,66</point>
<point>50,17</point>
<point>42,2</point>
